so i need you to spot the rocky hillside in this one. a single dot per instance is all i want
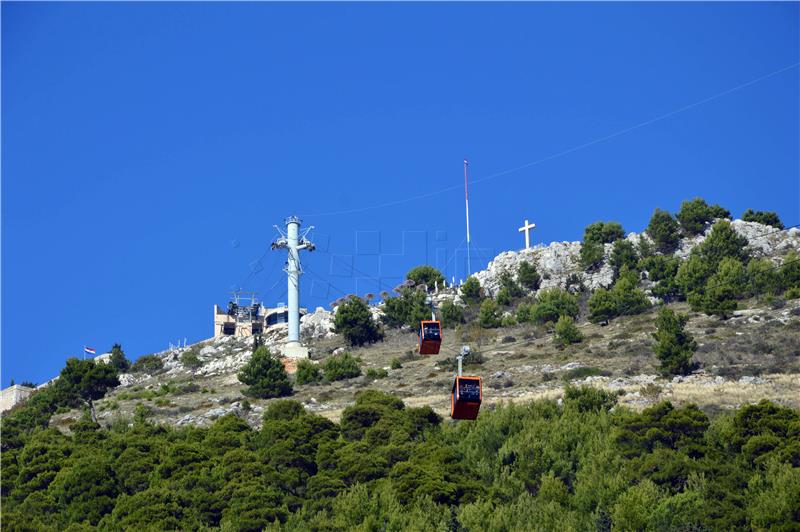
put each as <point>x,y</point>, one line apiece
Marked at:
<point>558,260</point>
<point>753,355</point>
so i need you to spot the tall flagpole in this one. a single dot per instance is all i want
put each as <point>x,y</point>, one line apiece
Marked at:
<point>466,201</point>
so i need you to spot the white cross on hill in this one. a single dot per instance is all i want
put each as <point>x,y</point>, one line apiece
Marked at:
<point>527,230</point>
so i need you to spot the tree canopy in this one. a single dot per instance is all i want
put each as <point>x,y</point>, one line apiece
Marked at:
<point>354,321</point>
<point>265,376</point>
<point>695,214</point>
<point>427,275</point>
<point>665,231</point>
<point>763,217</point>
<point>528,466</point>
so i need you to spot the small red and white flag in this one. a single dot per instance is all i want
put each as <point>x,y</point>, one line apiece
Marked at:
<point>89,350</point>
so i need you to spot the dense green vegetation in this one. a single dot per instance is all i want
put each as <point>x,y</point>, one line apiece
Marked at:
<point>340,367</point>
<point>79,384</point>
<point>335,368</point>
<point>549,305</point>
<point>118,359</point>
<point>489,315</point>
<point>674,346</point>
<point>307,372</point>
<point>580,464</point>
<point>527,276</point>
<point>354,321</point>
<point>151,364</point>
<point>265,376</point>
<point>695,214</point>
<point>567,332</point>
<point>408,308</point>
<point>509,291</point>
<point>594,236</point>
<point>763,217</point>
<point>665,231</point>
<point>451,314</point>
<point>426,275</point>
<point>623,257</point>
<point>538,466</point>
<point>623,299</point>
<point>471,291</point>
<point>190,359</point>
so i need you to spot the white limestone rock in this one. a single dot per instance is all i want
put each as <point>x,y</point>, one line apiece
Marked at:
<point>764,240</point>
<point>557,261</point>
<point>208,352</point>
<point>317,324</point>
<point>224,364</point>
<point>126,379</point>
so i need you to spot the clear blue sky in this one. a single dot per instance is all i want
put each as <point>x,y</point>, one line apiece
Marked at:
<point>147,149</point>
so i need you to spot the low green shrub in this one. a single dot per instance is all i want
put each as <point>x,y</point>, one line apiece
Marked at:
<point>151,364</point>
<point>340,367</point>
<point>567,332</point>
<point>374,374</point>
<point>583,372</point>
<point>451,314</point>
<point>190,359</point>
<point>190,387</point>
<point>307,373</point>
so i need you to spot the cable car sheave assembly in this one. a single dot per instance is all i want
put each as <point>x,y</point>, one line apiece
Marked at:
<point>467,392</point>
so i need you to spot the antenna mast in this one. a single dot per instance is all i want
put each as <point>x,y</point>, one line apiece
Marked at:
<point>466,201</point>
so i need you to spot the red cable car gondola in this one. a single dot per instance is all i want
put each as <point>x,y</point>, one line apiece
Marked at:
<point>466,397</point>
<point>430,337</point>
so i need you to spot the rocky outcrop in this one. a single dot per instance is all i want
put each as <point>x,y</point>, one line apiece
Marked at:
<point>555,263</point>
<point>766,240</point>
<point>317,324</point>
<point>558,260</point>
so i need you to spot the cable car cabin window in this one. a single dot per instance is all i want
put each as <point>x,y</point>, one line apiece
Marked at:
<point>431,331</point>
<point>228,329</point>
<point>430,338</point>
<point>469,390</point>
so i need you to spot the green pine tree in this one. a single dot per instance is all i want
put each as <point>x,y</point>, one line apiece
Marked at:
<point>427,275</point>
<point>489,315</point>
<point>724,288</point>
<point>602,306</point>
<point>265,376</point>
<point>567,332</point>
<point>118,359</point>
<point>354,321</point>
<point>665,231</point>
<point>527,276</point>
<point>471,291</point>
<point>674,346</point>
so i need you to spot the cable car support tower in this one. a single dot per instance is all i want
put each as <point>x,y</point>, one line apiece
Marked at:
<point>294,241</point>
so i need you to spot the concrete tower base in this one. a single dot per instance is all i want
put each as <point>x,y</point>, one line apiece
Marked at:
<point>295,350</point>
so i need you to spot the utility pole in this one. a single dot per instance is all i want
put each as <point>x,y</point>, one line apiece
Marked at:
<point>466,200</point>
<point>465,351</point>
<point>293,241</point>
